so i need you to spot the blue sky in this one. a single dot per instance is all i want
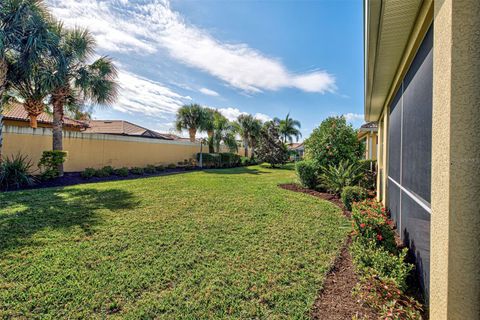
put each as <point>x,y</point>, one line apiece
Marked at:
<point>267,58</point>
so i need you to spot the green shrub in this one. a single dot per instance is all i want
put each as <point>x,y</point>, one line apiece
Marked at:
<point>150,169</point>
<point>335,178</point>
<point>88,173</point>
<point>369,169</point>
<point>49,163</point>
<point>307,173</point>
<point>371,223</point>
<point>122,172</point>
<point>244,161</point>
<point>137,170</point>
<point>229,159</point>
<point>332,142</point>
<point>384,296</point>
<point>374,260</point>
<point>270,147</point>
<point>171,166</point>
<point>15,172</point>
<point>210,160</point>
<point>160,168</point>
<point>104,172</point>
<point>351,194</point>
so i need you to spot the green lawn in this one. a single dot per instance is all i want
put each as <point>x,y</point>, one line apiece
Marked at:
<point>200,245</point>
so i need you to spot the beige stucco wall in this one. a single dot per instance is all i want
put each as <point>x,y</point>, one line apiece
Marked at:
<point>455,228</point>
<point>98,150</point>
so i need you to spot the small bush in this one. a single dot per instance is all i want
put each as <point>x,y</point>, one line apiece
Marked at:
<point>335,178</point>
<point>104,172</point>
<point>387,299</point>
<point>137,170</point>
<point>171,166</point>
<point>49,163</point>
<point>88,173</point>
<point>306,173</point>
<point>244,161</point>
<point>371,223</point>
<point>160,168</point>
<point>122,172</point>
<point>15,172</point>
<point>150,169</point>
<point>229,159</point>
<point>352,194</point>
<point>374,260</point>
<point>210,160</point>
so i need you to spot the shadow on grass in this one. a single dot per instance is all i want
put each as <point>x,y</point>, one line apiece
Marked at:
<point>55,209</point>
<point>238,170</point>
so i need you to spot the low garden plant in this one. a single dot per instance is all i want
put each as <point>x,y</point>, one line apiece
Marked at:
<point>137,170</point>
<point>122,172</point>
<point>171,166</point>
<point>15,172</point>
<point>49,163</point>
<point>103,172</point>
<point>380,264</point>
<point>351,194</point>
<point>336,177</point>
<point>88,173</point>
<point>160,168</point>
<point>150,169</point>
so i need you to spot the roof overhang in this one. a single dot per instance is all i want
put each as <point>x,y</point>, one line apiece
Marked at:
<point>392,32</point>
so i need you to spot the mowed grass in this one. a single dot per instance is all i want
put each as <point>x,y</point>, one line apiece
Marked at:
<point>201,245</point>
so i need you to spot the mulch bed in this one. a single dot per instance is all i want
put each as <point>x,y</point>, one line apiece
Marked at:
<point>335,300</point>
<point>73,178</point>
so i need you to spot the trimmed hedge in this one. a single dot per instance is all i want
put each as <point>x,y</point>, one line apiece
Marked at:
<point>220,160</point>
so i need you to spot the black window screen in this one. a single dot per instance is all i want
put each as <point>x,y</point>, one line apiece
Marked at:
<point>410,157</point>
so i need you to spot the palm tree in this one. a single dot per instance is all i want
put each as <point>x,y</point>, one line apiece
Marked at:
<point>192,118</point>
<point>289,128</point>
<point>209,126</point>
<point>76,82</point>
<point>244,128</point>
<point>25,37</point>
<point>255,130</point>
<point>224,131</point>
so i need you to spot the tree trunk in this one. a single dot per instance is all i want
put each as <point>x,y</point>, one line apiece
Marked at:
<point>34,109</point>
<point>57,137</point>
<point>253,151</point>
<point>245,145</point>
<point>1,134</point>
<point>192,132</point>
<point>210,142</point>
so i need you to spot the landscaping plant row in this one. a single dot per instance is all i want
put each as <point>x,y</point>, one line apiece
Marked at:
<point>380,264</point>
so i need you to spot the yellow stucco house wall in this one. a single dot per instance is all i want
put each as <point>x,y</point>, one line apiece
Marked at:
<point>422,70</point>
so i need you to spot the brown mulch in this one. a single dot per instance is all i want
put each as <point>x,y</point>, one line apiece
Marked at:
<point>335,300</point>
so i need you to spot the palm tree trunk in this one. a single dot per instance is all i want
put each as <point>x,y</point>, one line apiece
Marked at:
<point>1,134</point>
<point>192,132</point>
<point>34,109</point>
<point>210,142</point>
<point>253,150</point>
<point>57,137</point>
<point>245,145</point>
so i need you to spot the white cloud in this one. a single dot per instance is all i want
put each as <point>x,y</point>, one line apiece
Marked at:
<point>209,92</point>
<point>351,117</point>
<point>233,113</point>
<point>138,94</point>
<point>150,26</point>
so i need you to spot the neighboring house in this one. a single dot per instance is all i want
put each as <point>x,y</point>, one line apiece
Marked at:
<point>367,134</point>
<point>296,150</point>
<point>15,115</point>
<point>422,64</point>
<point>124,128</point>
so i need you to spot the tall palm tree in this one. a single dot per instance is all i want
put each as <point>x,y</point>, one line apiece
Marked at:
<point>255,130</point>
<point>25,37</point>
<point>224,131</point>
<point>77,82</point>
<point>192,118</point>
<point>289,128</point>
<point>244,128</point>
<point>209,126</point>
